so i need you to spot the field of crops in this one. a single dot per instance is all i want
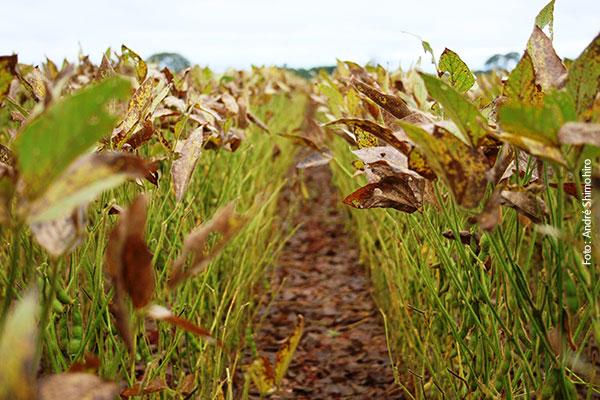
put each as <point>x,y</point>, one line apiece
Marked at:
<point>363,233</point>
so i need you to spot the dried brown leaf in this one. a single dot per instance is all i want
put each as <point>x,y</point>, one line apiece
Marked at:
<point>189,151</point>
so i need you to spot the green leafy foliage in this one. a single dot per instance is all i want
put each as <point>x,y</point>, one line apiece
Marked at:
<point>460,76</point>
<point>49,143</point>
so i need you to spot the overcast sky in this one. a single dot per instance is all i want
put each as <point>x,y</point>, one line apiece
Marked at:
<point>299,33</point>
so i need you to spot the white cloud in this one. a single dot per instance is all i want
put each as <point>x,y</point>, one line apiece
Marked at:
<point>239,33</point>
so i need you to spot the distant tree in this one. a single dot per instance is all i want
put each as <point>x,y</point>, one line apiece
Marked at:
<point>175,62</point>
<point>502,61</point>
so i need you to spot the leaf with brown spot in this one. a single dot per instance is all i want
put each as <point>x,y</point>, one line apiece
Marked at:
<point>549,69</point>
<point>262,375</point>
<point>392,104</point>
<point>418,162</point>
<point>128,260</point>
<point>138,108</point>
<point>76,386</point>
<point>401,192</point>
<point>225,222</point>
<point>141,69</point>
<point>579,133</point>
<point>286,352</point>
<point>521,85</point>
<point>379,131</point>
<point>105,69</point>
<point>182,168</point>
<point>461,166</point>
<point>460,76</point>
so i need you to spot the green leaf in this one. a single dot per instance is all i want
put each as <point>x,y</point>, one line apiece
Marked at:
<point>521,84</point>
<point>462,167</point>
<point>458,108</point>
<point>428,49</point>
<point>583,81</point>
<point>545,17</point>
<point>18,339</point>
<point>64,131</point>
<point>540,122</point>
<point>461,77</point>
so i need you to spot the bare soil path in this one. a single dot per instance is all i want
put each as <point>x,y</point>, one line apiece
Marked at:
<point>343,353</point>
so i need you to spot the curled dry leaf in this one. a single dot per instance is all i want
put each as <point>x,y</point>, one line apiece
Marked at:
<point>392,104</point>
<point>314,159</point>
<point>18,342</point>
<point>401,192</point>
<point>128,260</point>
<point>154,386</point>
<point>257,121</point>
<point>76,386</point>
<point>225,222</point>
<point>379,131</point>
<point>526,203</point>
<point>164,314</point>
<point>302,141</point>
<point>579,133</point>
<point>62,235</point>
<point>188,151</point>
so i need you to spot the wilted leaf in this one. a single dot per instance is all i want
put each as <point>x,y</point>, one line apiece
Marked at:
<point>583,81</point>
<point>286,352</point>
<point>526,203</point>
<point>183,167</point>
<point>549,69</point>
<point>521,84</point>
<point>141,69</point>
<point>491,215</point>
<point>155,385</point>
<point>401,192</point>
<point>83,181</point>
<point>128,260</point>
<point>18,341</point>
<point>164,314</point>
<point>314,159</point>
<point>461,77</point>
<point>49,143</point>
<point>62,235</point>
<point>462,167</point>
<point>379,131</point>
<point>225,222</point>
<point>458,108</point>
<point>579,133</point>
<point>392,104</point>
<point>76,386</point>
<point>105,70</point>
<point>262,375</point>
<point>7,73</point>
